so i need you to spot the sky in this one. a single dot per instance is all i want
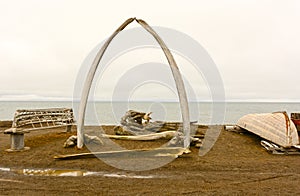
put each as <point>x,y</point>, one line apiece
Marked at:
<point>255,45</point>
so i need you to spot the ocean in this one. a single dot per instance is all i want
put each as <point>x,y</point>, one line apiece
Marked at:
<point>107,113</point>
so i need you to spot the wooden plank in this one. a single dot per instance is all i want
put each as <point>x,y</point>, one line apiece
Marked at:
<point>15,131</point>
<point>28,122</point>
<point>274,149</point>
<point>158,152</point>
<point>50,127</point>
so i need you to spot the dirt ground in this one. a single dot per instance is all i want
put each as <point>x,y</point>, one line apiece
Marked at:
<point>236,165</point>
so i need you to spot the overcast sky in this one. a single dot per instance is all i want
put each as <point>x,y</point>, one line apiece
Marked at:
<point>255,44</point>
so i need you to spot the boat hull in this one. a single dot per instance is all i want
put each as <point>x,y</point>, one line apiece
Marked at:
<point>275,127</point>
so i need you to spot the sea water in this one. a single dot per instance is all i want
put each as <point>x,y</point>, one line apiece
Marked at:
<point>108,113</point>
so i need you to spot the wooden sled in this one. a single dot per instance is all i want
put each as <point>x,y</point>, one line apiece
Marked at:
<point>275,149</point>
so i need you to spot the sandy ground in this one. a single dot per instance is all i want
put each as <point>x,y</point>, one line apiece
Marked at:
<point>236,165</point>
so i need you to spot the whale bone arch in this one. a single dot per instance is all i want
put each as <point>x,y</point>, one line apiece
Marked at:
<point>175,72</point>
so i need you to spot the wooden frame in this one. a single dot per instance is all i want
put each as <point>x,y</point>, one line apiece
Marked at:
<point>37,119</point>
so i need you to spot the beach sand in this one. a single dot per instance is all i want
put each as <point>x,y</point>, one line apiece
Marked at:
<point>237,164</point>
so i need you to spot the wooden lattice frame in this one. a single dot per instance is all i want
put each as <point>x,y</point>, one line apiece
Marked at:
<point>36,119</point>
<point>26,120</point>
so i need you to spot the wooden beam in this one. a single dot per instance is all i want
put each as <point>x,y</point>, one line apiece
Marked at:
<point>158,152</point>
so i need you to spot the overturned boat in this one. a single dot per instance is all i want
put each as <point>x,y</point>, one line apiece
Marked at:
<point>275,127</point>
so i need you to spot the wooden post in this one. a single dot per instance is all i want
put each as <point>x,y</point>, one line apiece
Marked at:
<point>17,142</point>
<point>69,128</point>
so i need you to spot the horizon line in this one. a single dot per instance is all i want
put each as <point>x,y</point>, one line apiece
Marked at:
<point>146,100</point>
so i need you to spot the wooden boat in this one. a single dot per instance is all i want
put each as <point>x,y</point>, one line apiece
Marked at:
<point>275,127</point>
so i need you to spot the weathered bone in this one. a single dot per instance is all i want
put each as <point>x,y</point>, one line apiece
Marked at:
<point>153,136</point>
<point>72,140</point>
<point>174,68</point>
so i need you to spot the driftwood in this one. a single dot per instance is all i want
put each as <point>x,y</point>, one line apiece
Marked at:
<point>137,126</point>
<point>132,116</point>
<point>174,137</point>
<point>234,128</point>
<point>158,152</point>
<point>138,123</point>
<point>72,140</point>
<point>135,123</point>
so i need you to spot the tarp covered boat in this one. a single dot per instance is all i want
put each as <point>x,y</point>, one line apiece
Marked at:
<point>275,127</point>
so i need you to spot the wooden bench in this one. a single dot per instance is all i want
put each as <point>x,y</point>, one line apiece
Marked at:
<point>37,119</point>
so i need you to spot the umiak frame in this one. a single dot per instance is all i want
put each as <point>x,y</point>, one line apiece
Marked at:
<point>27,120</point>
